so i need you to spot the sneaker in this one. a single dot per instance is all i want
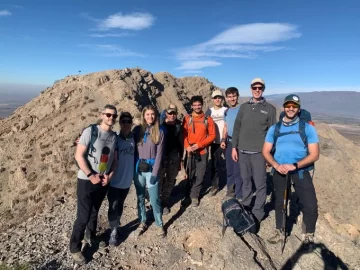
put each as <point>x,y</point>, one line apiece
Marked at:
<point>213,191</point>
<point>166,210</point>
<point>141,228</point>
<point>195,202</point>
<point>78,258</point>
<point>160,231</point>
<point>276,238</point>
<point>308,242</point>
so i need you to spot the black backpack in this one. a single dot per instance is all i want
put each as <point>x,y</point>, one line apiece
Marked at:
<point>236,217</point>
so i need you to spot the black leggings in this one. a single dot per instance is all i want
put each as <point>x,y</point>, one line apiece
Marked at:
<point>305,191</point>
<point>116,197</point>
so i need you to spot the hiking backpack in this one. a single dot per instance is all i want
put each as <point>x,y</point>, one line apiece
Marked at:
<point>193,125</point>
<point>94,135</point>
<point>304,117</point>
<point>237,217</point>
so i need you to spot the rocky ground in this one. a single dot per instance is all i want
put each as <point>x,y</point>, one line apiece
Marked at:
<point>194,241</point>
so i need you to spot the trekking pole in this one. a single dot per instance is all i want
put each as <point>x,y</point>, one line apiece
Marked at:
<point>285,203</point>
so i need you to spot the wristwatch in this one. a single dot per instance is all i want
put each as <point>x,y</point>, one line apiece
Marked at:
<point>90,174</point>
<point>296,165</point>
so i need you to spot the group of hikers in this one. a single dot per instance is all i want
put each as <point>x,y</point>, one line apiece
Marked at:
<point>247,137</point>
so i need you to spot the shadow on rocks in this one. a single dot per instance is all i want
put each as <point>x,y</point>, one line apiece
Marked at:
<point>177,195</point>
<point>331,261</point>
<point>52,265</point>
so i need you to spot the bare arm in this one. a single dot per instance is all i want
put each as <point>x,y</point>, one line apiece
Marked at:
<point>314,153</point>
<point>266,151</point>
<point>80,158</point>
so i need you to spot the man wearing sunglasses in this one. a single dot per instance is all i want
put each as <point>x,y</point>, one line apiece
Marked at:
<point>96,158</point>
<point>252,122</point>
<point>217,164</point>
<point>172,155</point>
<point>289,154</point>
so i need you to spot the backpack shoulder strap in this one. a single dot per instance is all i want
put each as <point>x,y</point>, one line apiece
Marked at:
<point>277,131</point>
<point>93,138</point>
<point>302,132</point>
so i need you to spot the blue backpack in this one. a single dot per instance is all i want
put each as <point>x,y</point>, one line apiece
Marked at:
<point>305,117</point>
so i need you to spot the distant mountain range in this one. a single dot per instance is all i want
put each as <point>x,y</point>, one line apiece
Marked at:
<point>326,103</point>
<point>340,104</point>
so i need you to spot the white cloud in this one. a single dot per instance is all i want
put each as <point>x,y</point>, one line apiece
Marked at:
<point>102,35</point>
<point>5,13</point>
<point>256,33</point>
<point>110,50</point>
<point>240,41</point>
<point>197,65</point>
<point>132,21</point>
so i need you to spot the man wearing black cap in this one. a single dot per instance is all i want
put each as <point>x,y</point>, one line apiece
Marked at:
<point>173,153</point>
<point>291,147</point>
<point>252,122</point>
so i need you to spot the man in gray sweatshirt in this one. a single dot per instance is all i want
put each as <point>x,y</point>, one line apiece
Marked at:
<point>252,122</point>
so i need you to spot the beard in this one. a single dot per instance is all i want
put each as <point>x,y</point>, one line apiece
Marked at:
<point>291,117</point>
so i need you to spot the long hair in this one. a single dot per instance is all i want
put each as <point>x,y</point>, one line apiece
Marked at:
<point>154,129</point>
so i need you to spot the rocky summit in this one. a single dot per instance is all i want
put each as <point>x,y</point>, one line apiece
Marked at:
<point>38,195</point>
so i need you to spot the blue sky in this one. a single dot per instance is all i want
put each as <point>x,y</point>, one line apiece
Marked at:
<point>294,45</point>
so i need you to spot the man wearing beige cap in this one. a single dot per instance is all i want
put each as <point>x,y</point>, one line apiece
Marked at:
<point>217,163</point>
<point>252,122</point>
<point>172,155</point>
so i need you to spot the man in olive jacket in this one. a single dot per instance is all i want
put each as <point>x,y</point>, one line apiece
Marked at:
<point>252,122</point>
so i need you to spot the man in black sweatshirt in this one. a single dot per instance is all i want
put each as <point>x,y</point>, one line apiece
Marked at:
<point>252,122</point>
<point>172,155</point>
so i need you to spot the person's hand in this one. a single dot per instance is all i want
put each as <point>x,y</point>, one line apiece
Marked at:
<point>223,145</point>
<point>234,155</point>
<point>153,179</point>
<point>290,167</point>
<point>194,147</point>
<point>95,179</point>
<point>189,149</point>
<point>281,169</point>
<point>105,180</point>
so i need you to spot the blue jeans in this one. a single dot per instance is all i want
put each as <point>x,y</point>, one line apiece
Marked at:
<point>234,180</point>
<point>141,181</point>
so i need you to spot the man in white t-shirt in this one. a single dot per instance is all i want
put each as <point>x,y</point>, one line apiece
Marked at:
<point>217,113</point>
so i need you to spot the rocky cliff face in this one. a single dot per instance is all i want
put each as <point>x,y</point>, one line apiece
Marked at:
<point>38,173</point>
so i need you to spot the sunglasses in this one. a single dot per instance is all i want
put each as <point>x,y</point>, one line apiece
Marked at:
<point>289,105</point>
<point>257,88</point>
<point>172,113</point>
<point>217,97</point>
<point>108,115</point>
<point>125,121</point>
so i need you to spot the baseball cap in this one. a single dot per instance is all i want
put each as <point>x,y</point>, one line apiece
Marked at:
<point>216,93</point>
<point>172,108</point>
<point>258,80</point>
<point>292,98</point>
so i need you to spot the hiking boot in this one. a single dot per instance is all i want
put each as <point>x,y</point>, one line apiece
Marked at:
<point>160,231</point>
<point>276,238</point>
<point>308,242</point>
<point>195,202</point>
<point>78,258</point>
<point>141,228</point>
<point>166,210</point>
<point>213,191</point>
